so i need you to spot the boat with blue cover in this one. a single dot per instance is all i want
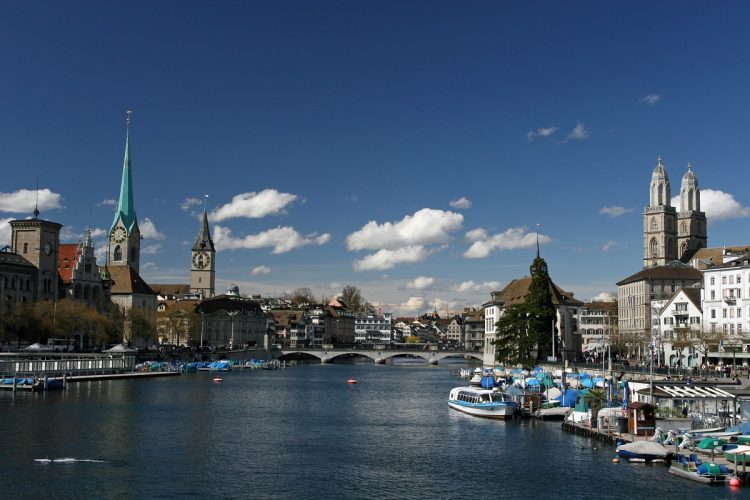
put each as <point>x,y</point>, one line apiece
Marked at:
<point>479,402</point>
<point>692,467</point>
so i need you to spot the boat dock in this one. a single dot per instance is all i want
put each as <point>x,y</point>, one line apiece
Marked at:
<point>35,383</point>
<point>742,471</point>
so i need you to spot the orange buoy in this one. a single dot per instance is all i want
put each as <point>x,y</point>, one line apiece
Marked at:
<point>352,380</point>
<point>218,379</point>
<point>735,481</point>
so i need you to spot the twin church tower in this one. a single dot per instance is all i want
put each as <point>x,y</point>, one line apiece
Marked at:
<point>669,234</point>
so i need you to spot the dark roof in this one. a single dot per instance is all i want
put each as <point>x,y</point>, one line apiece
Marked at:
<point>675,270</point>
<point>171,289</point>
<point>127,281</point>
<point>694,294</point>
<point>8,257</point>
<point>742,260</point>
<point>228,303</point>
<point>516,291</point>
<point>602,305</point>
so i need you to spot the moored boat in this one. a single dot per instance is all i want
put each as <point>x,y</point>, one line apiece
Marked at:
<point>737,453</point>
<point>694,469</point>
<point>643,451</point>
<point>478,402</point>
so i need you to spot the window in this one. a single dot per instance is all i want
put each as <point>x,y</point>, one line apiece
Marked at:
<point>25,248</point>
<point>654,248</point>
<point>654,226</point>
<point>723,313</point>
<point>723,280</point>
<point>713,280</point>
<point>713,294</point>
<point>117,254</point>
<point>713,313</point>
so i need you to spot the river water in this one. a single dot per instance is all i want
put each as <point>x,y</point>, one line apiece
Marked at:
<point>303,432</point>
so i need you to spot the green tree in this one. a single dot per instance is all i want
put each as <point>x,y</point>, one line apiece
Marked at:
<point>513,344</point>
<point>541,311</point>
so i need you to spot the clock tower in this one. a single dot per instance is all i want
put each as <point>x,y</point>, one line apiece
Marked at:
<point>203,262</point>
<point>37,241</point>
<point>124,236</point>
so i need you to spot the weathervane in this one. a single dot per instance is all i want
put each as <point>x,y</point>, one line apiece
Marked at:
<point>537,241</point>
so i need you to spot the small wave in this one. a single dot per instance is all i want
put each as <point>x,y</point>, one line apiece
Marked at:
<point>67,460</point>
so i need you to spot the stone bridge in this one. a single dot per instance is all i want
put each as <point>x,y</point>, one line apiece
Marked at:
<point>378,356</point>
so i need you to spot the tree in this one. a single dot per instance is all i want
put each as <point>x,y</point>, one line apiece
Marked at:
<point>301,297</point>
<point>541,311</point>
<point>352,297</point>
<point>513,344</point>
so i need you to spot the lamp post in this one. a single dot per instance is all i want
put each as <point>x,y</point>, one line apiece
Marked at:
<point>232,314</point>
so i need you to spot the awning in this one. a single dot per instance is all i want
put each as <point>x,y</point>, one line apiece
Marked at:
<point>692,392</point>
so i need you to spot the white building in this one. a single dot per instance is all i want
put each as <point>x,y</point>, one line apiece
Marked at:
<point>678,321</point>
<point>726,300</point>
<point>373,328</point>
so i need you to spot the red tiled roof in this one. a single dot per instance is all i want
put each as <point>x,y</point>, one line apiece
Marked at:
<point>67,256</point>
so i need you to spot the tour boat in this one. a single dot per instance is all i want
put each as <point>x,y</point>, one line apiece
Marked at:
<point>479,402</point>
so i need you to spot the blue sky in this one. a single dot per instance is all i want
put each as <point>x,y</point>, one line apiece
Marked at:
<point>407,148</point>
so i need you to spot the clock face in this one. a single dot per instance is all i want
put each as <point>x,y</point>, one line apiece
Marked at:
<point>119,235</point>
<point>201,260</point>
<point>47,248</point>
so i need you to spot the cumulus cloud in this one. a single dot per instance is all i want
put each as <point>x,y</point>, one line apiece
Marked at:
<point>719,205</point>
<point>578,133</point>
<point>254,205</point>
<point>281,239</point>
<point>387,259</point>
<point>260,270</point>
<point>149,265</point>
<point>421,283</point>
<point>472,287</point>
<point>424,227</point>
<point>603,297</point>
<point>24,201</point>
<point>608,246</point>
<point>189,203</point>
<point>148,230</point>
<point>614,211</point>
<point>461,204</point>
<point>111,202</point>
<point>510,239</point>
<point>651,99</point>
<point>151,249</point>
<point>5,231</point>
<point>412,305</point>
<point>540,132</point>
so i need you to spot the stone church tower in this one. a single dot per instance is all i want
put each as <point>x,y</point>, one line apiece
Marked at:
<point>667,234</point>
<point>203,262</point>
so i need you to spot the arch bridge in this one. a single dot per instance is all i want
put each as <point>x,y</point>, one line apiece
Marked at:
<point>379,356</point>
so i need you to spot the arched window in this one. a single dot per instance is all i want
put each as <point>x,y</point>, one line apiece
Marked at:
<point>654,248</point>
<point>654,225</point>
<point>683,228</point>
<point>683,248</point>
<point>690,200</point>
<point>117,254</point>
<point>660,200</point>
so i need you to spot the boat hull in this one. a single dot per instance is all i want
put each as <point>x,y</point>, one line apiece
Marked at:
<point>679,470</point>
<point>489,410</point>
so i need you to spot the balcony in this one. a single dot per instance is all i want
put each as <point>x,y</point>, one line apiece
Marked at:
<point>730,299</point>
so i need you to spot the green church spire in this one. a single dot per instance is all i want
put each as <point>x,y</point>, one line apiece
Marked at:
<point>126,207</point>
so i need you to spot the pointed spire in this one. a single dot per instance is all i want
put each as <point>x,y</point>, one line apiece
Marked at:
<point>690,166</point>
<point>36,203</point>
<point>537,241</point>
<point>126,206</point>
<point>204,242</point>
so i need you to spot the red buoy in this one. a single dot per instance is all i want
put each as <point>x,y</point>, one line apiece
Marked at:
<point>352,380</point>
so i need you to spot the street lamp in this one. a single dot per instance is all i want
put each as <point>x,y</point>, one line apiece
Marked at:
<point>232,314</point>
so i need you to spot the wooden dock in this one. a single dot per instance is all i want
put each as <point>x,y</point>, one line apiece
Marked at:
<point>39,383</point>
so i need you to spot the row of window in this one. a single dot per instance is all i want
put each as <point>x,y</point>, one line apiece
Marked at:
<point>727,280</point>
<point>729,312</point>
<point>21,285</point>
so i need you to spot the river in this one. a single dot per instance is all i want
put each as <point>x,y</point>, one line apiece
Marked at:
<point>303,432</point>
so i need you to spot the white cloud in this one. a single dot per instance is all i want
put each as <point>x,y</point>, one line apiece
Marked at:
<point>281,239</point>
<point>510,239</point>
<point>425,227</point>
<point>111,202</point>
<point>540,132</point>
<point>651,99</point>
<point>609,246</point>
<point>253,205</point>
<point>5,231</point>
<point>461,204</point>
<point>420,283</point>
<point>189,203</point>
<point>148,230</point>
<point>387,259</point>
<point>471,287</point>
<point>719,205</point>
<point>578,133</point>
<point>24,201</point>
<point>603,297</point>
<point>412,305</point>
<point>151,249</point>
<point>149,265</point>
<point>614,211</point>
<point>260,270</point>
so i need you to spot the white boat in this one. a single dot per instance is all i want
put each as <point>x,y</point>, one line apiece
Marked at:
<point>642,451</point>
<point>479,402</point>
